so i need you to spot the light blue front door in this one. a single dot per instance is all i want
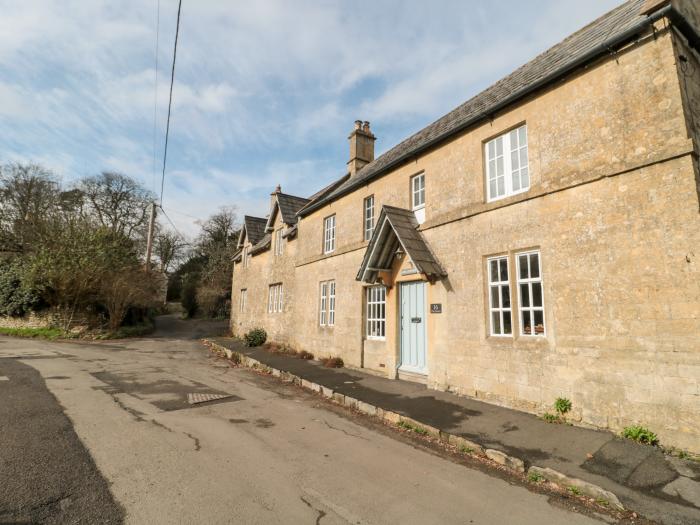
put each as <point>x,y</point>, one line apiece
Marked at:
<point>413,328</point>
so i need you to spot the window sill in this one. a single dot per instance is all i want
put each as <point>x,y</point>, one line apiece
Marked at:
<point>496,199</point>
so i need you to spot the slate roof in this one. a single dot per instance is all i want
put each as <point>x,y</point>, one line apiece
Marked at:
<point>254,228</point>
<point>396,228</point>
<point>599,37</point>
<point>288,205</point>
<point>262,244</point>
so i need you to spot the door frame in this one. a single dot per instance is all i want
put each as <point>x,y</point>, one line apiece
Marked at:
<point>399,367</point>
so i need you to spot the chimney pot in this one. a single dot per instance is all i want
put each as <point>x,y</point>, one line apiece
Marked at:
<point>361,147</point>
<point>278,189</point>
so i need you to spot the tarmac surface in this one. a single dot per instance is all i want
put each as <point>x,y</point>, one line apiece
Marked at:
<point>644,478</point>
<point>105,432</point>
<point>46,474</point>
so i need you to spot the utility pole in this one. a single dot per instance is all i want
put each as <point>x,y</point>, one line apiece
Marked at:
<point>149,240</point>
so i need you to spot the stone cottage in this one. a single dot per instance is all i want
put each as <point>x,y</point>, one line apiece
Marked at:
<point>540,240</point>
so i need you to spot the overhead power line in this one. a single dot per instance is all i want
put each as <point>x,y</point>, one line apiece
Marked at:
<point>170,101</point>
<point>155,94</point>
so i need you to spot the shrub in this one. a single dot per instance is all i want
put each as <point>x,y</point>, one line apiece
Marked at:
<point>332,362</point>
<point>562,405</point>
<point>640,434</point>
<point>305,355</point>
<point>16,298</point>
<point>256,337</point>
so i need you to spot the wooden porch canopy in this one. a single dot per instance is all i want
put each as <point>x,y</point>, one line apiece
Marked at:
<point>397,228</point>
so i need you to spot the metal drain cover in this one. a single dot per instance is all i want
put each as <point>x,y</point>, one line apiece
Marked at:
<point>196,398</point>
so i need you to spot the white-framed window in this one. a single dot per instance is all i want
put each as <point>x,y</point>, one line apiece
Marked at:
<point>418,197</point>
<point>274,298</point>
<point>500,319</point>
<point>376,312</point>
<point>507,171</point>
<point>368,216</point>
<point>243,300</point>
<point>329,234</point>
<point>279,242</point>
<point>327,304</point>
<point>530,293</point>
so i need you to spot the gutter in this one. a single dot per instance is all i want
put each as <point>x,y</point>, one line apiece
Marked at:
<point>598,51</point>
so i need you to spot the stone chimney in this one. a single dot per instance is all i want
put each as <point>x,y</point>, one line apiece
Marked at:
<point>361,147</point>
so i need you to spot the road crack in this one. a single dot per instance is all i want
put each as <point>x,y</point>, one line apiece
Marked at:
<point>344,431</point>
<point>197,446</point>
<point>321,513</point>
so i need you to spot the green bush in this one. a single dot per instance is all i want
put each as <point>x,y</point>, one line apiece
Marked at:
<point>256,337</point>
<point>562,405</point>
<point>640,434</point>
<point>16,298</point>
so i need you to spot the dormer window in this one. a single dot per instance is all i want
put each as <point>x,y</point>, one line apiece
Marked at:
<point>418,197</point>
<point>279,242</point>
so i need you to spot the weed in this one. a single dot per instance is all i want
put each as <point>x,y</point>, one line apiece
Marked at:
<point>535,477</point>
<point>332,362</point>
<point>640,434</point>
<point>551,418</point>
<point>603,502</point>
<point>464,449</point>
<point>412,428</point>
<point>562,405</point>
<point>574,490</point>
<point>305,355</point>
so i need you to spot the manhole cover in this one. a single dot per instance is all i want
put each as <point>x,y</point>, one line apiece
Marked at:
<point>196,398</point>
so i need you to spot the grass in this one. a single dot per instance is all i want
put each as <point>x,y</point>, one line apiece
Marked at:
<point>35,333</point>
<point>305,355</point>
<point>412,428</point>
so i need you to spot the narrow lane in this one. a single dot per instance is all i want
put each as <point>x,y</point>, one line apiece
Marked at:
<point>270,453</point>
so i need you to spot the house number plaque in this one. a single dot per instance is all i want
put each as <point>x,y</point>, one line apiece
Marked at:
<point>436,308</point>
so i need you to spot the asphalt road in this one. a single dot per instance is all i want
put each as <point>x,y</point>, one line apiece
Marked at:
<point>100,433</point>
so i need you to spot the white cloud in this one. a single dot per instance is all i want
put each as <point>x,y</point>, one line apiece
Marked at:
<point>266,91</point>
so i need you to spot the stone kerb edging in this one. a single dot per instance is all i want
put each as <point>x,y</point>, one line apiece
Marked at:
<point>509,462</point>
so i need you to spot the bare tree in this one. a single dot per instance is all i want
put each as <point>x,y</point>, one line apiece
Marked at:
<point>28,195</point>
<point>170,248</point>
<point>117,202</point>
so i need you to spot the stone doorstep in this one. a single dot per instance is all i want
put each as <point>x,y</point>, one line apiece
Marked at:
<point>510,462</point>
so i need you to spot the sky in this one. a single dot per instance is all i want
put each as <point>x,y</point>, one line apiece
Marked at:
<point>266,91</point>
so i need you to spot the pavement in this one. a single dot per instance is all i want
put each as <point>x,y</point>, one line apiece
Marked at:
<point>660,487</point>
<point>104,432</point>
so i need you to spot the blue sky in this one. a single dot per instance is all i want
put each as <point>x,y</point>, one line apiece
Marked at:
<point>266,92</point>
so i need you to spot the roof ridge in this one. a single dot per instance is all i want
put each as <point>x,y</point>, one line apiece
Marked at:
<point>575,50</point>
